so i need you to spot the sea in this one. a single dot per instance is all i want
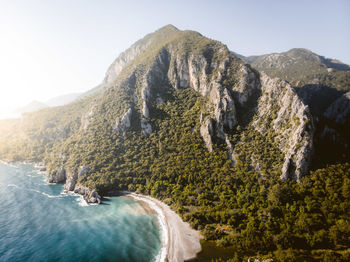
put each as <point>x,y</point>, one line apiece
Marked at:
<point>40,222</point>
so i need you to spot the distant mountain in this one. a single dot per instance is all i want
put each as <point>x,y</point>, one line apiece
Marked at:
<point>55,101</point>
<point>63,99</point>
<point>321,83</point>
<point>300,66</point>
<point>31,107</point>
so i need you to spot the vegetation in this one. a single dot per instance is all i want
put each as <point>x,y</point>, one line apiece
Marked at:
<point>245,208</point>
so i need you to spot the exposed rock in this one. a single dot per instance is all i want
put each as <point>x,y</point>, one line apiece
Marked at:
<point>339,111</point>
<point>86,118</point>
<point>56,176</point>
<point>72,177</point>
<point>124,123</point>
<point>159,100</point>
<point>90,196</point>
<point>230,151</point>
<point>135,50</point>
<point>207,133</point>
<point>248,85</point>
<point>291,122</point>
<point>146,127</point>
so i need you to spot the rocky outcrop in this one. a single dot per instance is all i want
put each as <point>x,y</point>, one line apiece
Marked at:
<point>72,177</point>
<point>207,133</point>
<point>87,118</point>
<point>339,110</point>
<point>281,111</point>
<point>90,196</point>
<point>146,127</point>
<point>125,58</point>
<point>124,122</point>
<point>56,176</point>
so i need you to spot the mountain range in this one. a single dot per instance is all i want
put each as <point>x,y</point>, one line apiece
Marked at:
<point>252,151</point>
<point>55,101</point>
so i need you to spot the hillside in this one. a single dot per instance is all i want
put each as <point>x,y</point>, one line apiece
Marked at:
<point>300,66</point>
<point>182,119</point>
<point>319,82</point>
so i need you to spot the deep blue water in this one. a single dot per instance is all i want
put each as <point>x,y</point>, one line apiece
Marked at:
<point>38,222</point>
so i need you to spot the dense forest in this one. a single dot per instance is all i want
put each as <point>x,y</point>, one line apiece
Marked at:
<point>242,205</point>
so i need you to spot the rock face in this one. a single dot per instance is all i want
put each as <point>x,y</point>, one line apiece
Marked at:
<point>134,51</point>
<point>278,109</point>
<point>124,123</point>
<point>339,111</point>
<point>72,177</point>
<point>207,133</point>
<point>291,122</point>
<point>70,180</point>
<point>56,176</point>
<point>141,79</point>
<point>90,196</point>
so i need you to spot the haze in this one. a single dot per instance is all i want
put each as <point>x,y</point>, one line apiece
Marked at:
<point>50,48</point>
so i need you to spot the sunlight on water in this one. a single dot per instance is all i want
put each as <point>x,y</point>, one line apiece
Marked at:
<point>39,222</point>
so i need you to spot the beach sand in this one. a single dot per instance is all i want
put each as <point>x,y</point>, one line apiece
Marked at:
<point>179,241</point>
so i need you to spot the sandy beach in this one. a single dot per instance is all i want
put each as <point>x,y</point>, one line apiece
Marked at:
<point>179,241</point>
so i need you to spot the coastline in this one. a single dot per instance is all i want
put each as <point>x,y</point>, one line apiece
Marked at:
<point>179,241</point>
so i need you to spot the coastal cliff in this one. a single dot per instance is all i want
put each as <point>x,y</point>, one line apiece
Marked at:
<point>180,118</point>
<point>228,96</point>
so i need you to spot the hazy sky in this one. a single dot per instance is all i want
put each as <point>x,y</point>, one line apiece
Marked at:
<point>54,47</point>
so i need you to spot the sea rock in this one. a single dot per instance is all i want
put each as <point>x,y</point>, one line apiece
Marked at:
<point>90,196</point>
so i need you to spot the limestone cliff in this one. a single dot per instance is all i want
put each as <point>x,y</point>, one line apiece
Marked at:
<point>282,112</point>
<point>214,96</point>
<point>185,59</point>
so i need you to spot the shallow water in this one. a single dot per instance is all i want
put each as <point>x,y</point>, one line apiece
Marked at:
<point>38,222</point>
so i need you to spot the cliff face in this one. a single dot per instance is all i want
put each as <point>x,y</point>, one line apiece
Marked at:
<point>143,87</point>
<point>225,83</point>
<point>282,112</point>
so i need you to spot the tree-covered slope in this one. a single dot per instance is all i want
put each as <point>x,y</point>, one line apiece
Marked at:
<point>182,119</point>
<point>300,66</point>
<point>319,82</point>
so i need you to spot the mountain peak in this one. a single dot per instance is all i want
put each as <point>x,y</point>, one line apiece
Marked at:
<point>168,27</point>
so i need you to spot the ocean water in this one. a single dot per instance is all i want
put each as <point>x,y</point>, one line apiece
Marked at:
<point>39,222</point>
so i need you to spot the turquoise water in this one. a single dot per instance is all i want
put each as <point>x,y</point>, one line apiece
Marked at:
<point>38,222</point>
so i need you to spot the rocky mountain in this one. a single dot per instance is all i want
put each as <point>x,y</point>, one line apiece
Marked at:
<point>142,80</point>
<point>296,65</point>
<point>321,83</point>
<point>181,118</point>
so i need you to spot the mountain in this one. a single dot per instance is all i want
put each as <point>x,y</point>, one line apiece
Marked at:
<point>180,118</point>
<point>297,65</point>
<point>31,107</point>
<point>320,83</point>
<point>63,99</point>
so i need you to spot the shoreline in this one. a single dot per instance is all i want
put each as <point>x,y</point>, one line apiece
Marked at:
<point>179,241</point>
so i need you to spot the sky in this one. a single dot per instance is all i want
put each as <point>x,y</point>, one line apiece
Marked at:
<point>54,47</point>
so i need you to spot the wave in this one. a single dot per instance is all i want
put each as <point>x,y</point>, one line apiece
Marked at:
<point>161,256</point>
<point>33,190</point>
<point>9,164</point>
